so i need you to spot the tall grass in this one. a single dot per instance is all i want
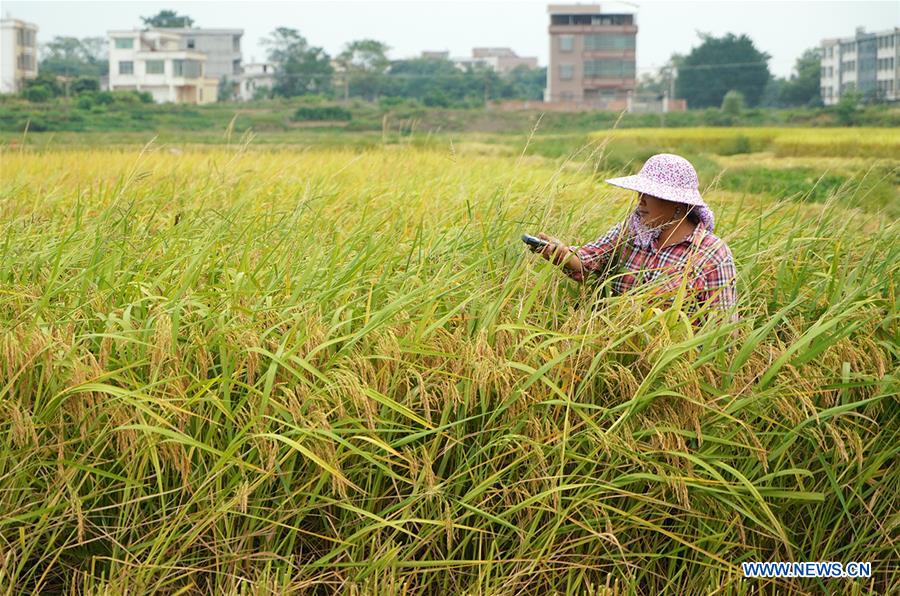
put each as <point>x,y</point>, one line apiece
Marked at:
<point>237,371</point>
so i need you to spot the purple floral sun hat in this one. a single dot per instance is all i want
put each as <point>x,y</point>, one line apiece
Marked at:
<point>671,178</point>
<point>666,176</point>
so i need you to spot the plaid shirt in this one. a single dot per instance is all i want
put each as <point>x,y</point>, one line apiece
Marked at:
<point>713,274</point>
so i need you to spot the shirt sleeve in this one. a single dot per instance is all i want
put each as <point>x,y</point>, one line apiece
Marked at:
<point>594,256</point>
<point>719,284</point>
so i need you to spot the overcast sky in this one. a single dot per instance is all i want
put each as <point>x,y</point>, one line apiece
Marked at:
<point>783,29</point>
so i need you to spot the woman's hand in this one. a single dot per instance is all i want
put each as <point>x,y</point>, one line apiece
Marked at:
<point>558,253</point>
<point>555,250</point>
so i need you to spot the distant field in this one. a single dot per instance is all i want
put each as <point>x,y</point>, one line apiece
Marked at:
<point>825,142</point>
<point>284,365</point>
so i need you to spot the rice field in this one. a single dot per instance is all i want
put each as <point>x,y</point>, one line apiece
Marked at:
<point>232,370</point>
<point>784,142</point>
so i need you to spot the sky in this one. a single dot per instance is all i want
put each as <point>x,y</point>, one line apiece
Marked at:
<point>782,29</point>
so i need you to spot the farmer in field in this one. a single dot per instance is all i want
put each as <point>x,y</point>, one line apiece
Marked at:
<point>667,241</point>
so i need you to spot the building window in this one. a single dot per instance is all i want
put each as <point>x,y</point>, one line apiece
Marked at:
<point>609,69</point>
<point>191,44</point>
<point>236,66</point>
<point>25,37</point>
<point>609,42</point>
<point>155,67</point>
<point>566,43</point>
<point>201,93</point>
<point>189,69</point>
<point>126,67</point>
<point>26,62</point>
<point>566,72</point>
<point>236,43</point>
<point>567,96</point>
<point>124,43</point>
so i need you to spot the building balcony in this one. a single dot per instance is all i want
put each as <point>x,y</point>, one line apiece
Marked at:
<point>608,83</point>
<point>576,29</point>
<point>626,54</point>
<point>175,54</point>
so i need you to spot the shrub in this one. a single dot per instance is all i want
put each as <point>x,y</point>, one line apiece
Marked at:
<point>436,99</point>
<point>84,85</point>
<point>105,98</point>
<point>847,106</point>
<point>308,113</point>
<point>37,93</point>
<point>735,145</point>
<point>85,101</point>
<point>392,101</point>
<point>733,103</point>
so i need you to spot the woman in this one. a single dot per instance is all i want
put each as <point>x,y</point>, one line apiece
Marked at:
<point>667,238</point>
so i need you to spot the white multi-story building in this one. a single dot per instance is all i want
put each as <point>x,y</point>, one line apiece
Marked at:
<point>221,46</point>
<point>18,54</point>
<point>153,61</point>
<point>867,62</point>
<point>257,75</point>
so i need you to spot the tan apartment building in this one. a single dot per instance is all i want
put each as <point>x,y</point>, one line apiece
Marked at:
<point>592,57</point>
<point>18,54</point>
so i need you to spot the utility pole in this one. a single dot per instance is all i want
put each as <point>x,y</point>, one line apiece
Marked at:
<point>672,82</point>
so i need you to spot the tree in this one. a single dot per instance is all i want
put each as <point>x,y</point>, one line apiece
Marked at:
<point>524,83</point>
<point>848,105</point>
<point>167,19</point>
<point>718,65</point>
<point>662,81</point>
<point>363,64</point>
<point>773,94</point>
<point>415,77</point>
<point>301,69</point>
<point>802,88</point>
<point>226,89</point>
<point>72,57</point>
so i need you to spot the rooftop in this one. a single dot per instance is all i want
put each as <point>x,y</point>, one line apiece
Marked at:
<point>860,32</point>
<point>573,9</point>
<point>204,31</point>
<point>18,23</point>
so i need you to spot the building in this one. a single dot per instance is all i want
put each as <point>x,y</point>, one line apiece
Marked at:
<point>592,56</point>
<point>154,61</point>
<point>501,60</point>
<point>256,75</point>
<point>18,54</point>
<point>866,62</point>
<point>436,55</point>
<point>221,46</point>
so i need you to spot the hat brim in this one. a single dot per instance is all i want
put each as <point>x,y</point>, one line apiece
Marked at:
<point>662,191</point>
